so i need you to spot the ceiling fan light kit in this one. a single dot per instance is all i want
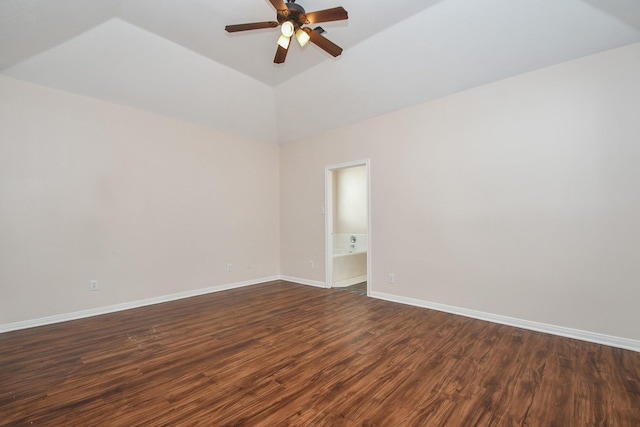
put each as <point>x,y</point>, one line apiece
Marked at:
<point>292,18</point>
<point>302,37</point>
<point>287,28</point>
<point>284,41</point>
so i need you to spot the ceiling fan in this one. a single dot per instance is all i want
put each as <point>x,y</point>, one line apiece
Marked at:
<point>291,18</point>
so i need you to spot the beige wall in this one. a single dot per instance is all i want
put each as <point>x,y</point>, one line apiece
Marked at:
<point>146,205</point>
<point>518,198</point>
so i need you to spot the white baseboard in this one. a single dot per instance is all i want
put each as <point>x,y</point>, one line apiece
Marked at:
<point>298,280</point>
<point>128,305</point>
<point>625,343</point>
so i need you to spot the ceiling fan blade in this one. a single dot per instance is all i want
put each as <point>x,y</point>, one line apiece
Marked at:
<point>323,43</point>
<point>250,26</point>
<point>327,15</point>
<point>281,55</point>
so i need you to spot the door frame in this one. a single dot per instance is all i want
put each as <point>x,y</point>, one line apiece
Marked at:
<point>329,208</point>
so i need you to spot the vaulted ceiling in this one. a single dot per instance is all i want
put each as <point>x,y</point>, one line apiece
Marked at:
<point>173,57</point>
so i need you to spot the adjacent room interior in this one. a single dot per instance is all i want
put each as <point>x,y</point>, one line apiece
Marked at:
<point>149,157</point>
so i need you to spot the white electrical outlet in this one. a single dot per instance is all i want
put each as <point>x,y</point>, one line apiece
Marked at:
<point>93,285</point>
<point>392,278</point>
<point>311,263</point>
<point>229,267</point>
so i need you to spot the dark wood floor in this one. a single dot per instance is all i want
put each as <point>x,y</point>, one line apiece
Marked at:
<point>286,354</point>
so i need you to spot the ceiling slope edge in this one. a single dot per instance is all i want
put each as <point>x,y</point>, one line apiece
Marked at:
<point>376,77</point>
<point>121,63</point>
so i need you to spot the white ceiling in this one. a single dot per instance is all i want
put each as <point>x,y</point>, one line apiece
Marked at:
<point>173,57</point>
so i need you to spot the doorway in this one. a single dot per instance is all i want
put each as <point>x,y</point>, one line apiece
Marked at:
<point>348,226</point>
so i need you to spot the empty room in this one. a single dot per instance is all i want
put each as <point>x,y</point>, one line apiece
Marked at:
<point>320,213</point>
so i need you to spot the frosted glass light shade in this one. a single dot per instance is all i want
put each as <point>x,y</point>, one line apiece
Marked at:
<point>302,37</point>
<point>284,41</point>
<point>287,28</point>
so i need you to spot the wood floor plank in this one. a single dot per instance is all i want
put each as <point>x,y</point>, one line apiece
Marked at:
<point>287,354</point>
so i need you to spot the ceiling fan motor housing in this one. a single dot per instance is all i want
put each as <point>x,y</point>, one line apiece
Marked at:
<point>293,14</point>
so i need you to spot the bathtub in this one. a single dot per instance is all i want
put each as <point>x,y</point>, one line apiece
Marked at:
<point>344,251</point>
<point>349,260</point>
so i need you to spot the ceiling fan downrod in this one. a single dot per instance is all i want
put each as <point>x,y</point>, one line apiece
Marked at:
<point>295,10</point>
